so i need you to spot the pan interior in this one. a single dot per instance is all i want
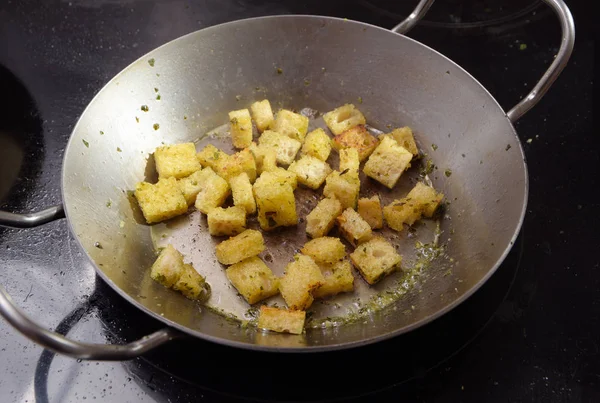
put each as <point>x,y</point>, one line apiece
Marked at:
<point>295,62</point>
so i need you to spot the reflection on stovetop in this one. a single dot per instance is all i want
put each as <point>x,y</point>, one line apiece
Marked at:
<point>193,366</point>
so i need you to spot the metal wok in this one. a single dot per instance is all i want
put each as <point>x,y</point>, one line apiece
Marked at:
<point>325,62</point>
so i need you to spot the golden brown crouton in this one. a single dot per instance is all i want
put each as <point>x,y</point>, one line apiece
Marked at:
<point>301,278</point>
<point>375,259</point>
<point>247,244</point>
<point>359,138</point>
<point>281,320</point>
<point>160,201</point>
<point>253,279</point>
<point>176,160</point>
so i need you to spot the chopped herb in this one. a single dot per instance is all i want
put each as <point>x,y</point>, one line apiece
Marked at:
<point>119,149</point>
<point>238,97</point>
<point>184,117</point>
<point>279,70</point>
<point>448,172</point>
<point>109,203</point>
<point>529,141</point>
<point>323,69</point>
<point>434,147</point>
<point>156,126</point>
<point>360,100</point>
<point>508,147</point>
<point>101,133</point>
<point>144,108</point>
<point>158,97</point>
<point>447,71</point>
<point>306,81</point>
<point>151,62</point>
<point>137,119</point>
<point>523,46</point>
<point>216,155</point>
<point>85,143</point>
<point>234,121</point>
<point>155,89</point>
<point>98,245</point>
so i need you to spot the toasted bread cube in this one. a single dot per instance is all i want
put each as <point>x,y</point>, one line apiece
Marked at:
<point>265,158</point>
<point>302,277</point>
<point>237,248</point>
<point>286,147</point>
<point>310,171</point>
<point>241,190</point>
<point>404,137</point>
<point>370,211</point>
<point>190,187</point>
<point>353,227</point>
<point>241,128</point>
<point>344,187</point>
<point>291,124</point>
<point>226,221</point>
<point>253,279</point>
<point>338,278</point>
<point>211,156</point>
<point>276,204</point>
<point>168,267</point>
<point>176,160</point>
<point>349,160</point>
<point>233,165</point>
<point>322,218</point>
<point>422,200</point>
<point>325,249</point>
<point>375,259</point>
<point>160,201</point>
<point>359,138</point>
<point>343,118</point>
<point>279,175</point>
<point>317,144</point>
<point>262,114</point>
<point>388,162</point>
<point>281,320</point>
<point>192,284</point>
<point>215,190</point>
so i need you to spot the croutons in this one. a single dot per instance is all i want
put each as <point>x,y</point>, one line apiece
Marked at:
<point>404,137</point>
<point>359,138</point>
<point>275,202</point>
<point>190,187</point>
<point>241,190</point>
<point>370,210</point>
<point>281,320</point>
<point>343,118</point>
<point>160,201</point>
<point>375,259</point>
<point>233,165</point>
<point>262,114</point>
<point>338,278</point>
<point>324,250</point>
<point>422,200</point>
<point>247,244</point>
<point>265,158</point>
<point>191,284</point>
<point>344,187</point>
<point>253,279</point>
<point>226,221</point>
<point>211,156</point>
<point>353,227</point>
<point>322,218</point>
<point>285,147</point>
<point>170,271</point>
<point>310,171</point>
<point>279,175</point>
<point>388,162</point>
<point>317,144</point>
<point>214,192</point>
<point>301,278</point>
<point>349,160</point>
<point>241,128</point>
<point>177,160</point>
<point>291,124</point>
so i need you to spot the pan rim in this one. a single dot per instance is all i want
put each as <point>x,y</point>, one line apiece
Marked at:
<point>314,348</point>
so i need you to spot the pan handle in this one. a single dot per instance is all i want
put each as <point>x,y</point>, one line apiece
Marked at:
<point>86,351</point>
<point>32,219</point>
<point>560,61</point>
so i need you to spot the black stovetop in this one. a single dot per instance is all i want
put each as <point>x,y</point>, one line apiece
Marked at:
<point>531,333</point>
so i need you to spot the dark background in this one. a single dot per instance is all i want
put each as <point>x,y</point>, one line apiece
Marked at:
<point>532,333</point>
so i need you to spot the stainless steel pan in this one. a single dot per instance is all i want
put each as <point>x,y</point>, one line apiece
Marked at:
<point>324,62</point>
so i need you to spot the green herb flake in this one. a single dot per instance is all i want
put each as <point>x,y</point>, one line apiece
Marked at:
<point>109,203</point>
<point>448,172</point>
<point>434,147</point>
<point>145,108</point>
<point>279,70</point>
<point>523,46</point>
<point>101,133</point>
<point>184,117</point>
<point>137,120</point>
<point>151,62</point>
<point>155,89</point>
<point>360,100</point>
<point>508,147</point>
<point>529,141</point>
<point>156,126</point>
<point>85,143</point>
<point>306,81</point>
<point>158,97</point>
<point>119,149</point>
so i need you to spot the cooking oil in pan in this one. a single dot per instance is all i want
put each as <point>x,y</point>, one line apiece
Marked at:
<point>418,246</point>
